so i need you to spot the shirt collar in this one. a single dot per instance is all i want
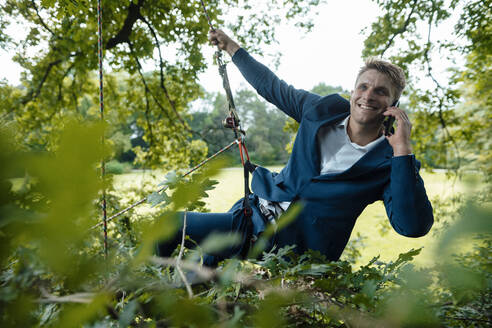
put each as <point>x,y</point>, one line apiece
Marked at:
<point>344,124</point>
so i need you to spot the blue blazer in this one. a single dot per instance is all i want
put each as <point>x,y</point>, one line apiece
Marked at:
<point>332,202</point>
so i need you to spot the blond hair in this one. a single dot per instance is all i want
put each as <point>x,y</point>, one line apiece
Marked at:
<point>392,71</point>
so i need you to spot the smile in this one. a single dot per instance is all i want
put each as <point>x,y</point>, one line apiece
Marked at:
<point>367,107</point>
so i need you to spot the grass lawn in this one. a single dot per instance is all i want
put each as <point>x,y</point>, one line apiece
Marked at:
<point>388,245</point>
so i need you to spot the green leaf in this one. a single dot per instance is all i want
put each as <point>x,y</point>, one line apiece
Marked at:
<point>270,310</point>
<point>127,316</point>
<point>216,242</point>
<point>157,198</point>
<point>171,179</point>
<point>403,258</point>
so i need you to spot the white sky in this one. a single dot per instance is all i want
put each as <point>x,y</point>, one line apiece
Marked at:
<point>331,53</point>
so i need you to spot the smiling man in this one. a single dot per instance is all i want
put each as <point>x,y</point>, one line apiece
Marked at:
<point>341,162</point>
<point>378,84</point>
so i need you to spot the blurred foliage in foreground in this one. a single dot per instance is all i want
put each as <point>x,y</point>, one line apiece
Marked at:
<point>53,270</point>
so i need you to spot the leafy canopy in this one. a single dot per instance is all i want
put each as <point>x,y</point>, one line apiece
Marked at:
<point>58,53</point>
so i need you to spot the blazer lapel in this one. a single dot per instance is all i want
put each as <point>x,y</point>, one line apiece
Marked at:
<point>315,155</point>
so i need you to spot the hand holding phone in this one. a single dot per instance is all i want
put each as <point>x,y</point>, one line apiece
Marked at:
<point>389,121</point>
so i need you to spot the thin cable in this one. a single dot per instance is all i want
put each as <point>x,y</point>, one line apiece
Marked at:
<point>165,187</point>
<point>101,106</point>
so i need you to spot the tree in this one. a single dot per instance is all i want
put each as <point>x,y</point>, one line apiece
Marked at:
<point>208,120</point>
<point>321,89</point>
<point>59,78</point>
<point>451,120</point>
<point>265,138</point>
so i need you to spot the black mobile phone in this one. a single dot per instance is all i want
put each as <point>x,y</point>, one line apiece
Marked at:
<point>389,121</point>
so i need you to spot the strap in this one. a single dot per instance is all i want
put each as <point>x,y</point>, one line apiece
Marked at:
<point>248,212</point>
<point>250,166</point>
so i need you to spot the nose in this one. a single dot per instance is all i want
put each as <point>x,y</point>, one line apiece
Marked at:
<point>368,94</point>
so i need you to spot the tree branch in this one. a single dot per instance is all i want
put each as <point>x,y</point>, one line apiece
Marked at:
<point>147,112</point>
<point>208,274</point>
<point>400,30</point>
<point>42,21</point>
<point>123,36</point>
<point>60,84</point>
<point>180,256</point>
<point>33,94</point>
<point>74,298</point>
<point>161,70</point>
<point>146,86</point>
<point>204,273</point>
<point>439,87</point>
<point>162,85</point>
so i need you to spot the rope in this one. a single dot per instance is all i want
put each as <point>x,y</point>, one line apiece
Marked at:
<point>242,147</point>
<point>207,16</point>
<point>123,211</point>
<point>233,122</point>
<point>101,106</point>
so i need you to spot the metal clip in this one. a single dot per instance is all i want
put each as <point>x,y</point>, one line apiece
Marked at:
<point>230,122</point>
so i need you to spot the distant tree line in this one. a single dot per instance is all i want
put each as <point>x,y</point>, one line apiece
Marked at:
<point>268,131</point>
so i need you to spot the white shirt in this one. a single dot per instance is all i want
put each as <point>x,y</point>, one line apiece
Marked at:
<point>338,153</point>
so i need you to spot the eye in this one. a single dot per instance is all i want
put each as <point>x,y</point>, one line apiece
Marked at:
<point>382,92</point>
<point>362,87</point>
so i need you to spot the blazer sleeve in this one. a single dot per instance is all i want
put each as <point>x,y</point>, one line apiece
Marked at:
<point>290,100</point>
<point>408,208</point>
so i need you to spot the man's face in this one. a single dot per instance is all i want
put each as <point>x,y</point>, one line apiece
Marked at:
<point>372,95</point>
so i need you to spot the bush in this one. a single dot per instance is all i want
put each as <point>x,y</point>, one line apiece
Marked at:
<point>53,271</point>
<point>115,167</point>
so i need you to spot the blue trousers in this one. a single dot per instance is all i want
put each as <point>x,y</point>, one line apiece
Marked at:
<point>200,225</point>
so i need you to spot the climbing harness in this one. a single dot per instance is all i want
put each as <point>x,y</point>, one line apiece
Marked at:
<point>232,122</point>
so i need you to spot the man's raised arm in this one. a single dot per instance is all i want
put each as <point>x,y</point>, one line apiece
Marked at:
<point>288,99</point>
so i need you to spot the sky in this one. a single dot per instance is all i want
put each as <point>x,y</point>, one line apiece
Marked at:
<point>330,53</point>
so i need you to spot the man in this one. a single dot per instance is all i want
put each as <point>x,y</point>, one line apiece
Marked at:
<point>340,163</point>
